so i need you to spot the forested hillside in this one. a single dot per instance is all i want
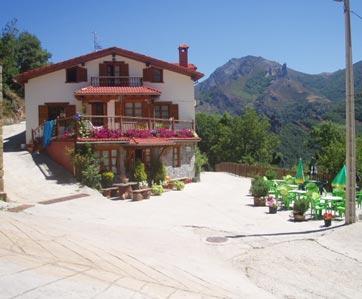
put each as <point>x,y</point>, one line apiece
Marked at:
<point>19,52</point>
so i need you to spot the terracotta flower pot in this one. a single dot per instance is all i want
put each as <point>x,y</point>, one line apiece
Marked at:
<point>327,222</point>
<point>259,201</point>
<point>298,217</point>
<point>273,210</point>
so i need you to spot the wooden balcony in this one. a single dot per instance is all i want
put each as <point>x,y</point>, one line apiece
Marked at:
<point>113,127</point>
<point>116,81</point>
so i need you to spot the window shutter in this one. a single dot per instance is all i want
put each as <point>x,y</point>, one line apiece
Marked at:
<point>147,74</point>
<point>118,110</point>
<point>69,110</point>
<point>102,69</point>
<point>123,69</point>
<point>43,113</point>
<point>174,111</point>
<point>81,74</point>
<point>145,107</point>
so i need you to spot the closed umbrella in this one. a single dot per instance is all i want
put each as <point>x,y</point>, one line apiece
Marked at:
<point>299,177</point>
<point>341,178</point>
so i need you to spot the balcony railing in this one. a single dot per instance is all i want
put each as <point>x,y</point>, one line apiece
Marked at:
<point>116,81</point>
<point>73,128</point>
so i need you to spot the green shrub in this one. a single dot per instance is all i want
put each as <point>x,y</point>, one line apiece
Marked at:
<point>158,171</point>
<point>90,176</point>
<point>271,174</point>
<point>86,166</point>
<point>259,187</point>
<point>157,189</point>
<point>179,185</point>
<point>200,161</point>
<point>107,179</point>
<point>301,205</point>
<point>140,174</point>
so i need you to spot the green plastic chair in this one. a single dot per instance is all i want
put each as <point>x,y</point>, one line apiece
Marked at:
<point>317,206</point>
<point>359,199</point>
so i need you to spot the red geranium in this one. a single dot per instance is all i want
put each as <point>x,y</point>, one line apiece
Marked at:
<point>327,216</point>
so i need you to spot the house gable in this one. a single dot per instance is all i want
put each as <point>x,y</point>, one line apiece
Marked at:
<point>149,61</point>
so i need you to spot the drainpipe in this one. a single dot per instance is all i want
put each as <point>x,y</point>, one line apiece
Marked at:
<point>2,193</point>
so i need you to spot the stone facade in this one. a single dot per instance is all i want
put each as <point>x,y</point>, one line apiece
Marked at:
<point>187,161</point>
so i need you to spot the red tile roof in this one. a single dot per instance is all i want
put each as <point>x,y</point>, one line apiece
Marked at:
<point>25,76</point>
<point>116,90</point>
<point>152,141</point>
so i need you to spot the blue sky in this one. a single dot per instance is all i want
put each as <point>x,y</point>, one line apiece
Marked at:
<point>306,34</point>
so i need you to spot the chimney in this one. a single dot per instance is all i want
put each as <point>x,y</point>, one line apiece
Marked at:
<point>183,56</point>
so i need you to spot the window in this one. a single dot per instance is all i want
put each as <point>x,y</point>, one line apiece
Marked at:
<point>108,159</point>
<point>176,161</point>
<point>76,74</point>
<point>71,75</point>
<point>162,111</point>
<point>157,75</point>
<point>133,109</point>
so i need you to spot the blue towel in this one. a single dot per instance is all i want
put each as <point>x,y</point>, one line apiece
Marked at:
<point>48,132</point>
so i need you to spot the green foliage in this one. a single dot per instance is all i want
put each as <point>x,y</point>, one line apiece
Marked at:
<point>179,185</point>
<point>140,174</point>
<point>107,179</point>
<point>91,177</point>
<point>158,171</point>
<point>157,189</point>
<point>86,166</point>
<point>257,84</point>
<point>84,129</point>
<point>271,174</point>
<point>200,161</point>
<point>19,52</point>
<point>301,205</point>
<point>259,187</point>
<point>246,138</point>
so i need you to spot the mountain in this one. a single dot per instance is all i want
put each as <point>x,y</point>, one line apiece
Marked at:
<point>292,100</point>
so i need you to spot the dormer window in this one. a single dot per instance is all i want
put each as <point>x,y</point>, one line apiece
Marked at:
<point>157,75</point>
<point>76,74</point>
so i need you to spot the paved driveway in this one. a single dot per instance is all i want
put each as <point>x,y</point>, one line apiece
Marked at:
<point>92,247</point>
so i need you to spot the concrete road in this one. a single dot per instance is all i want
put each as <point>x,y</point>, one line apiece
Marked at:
<point>92,247</point>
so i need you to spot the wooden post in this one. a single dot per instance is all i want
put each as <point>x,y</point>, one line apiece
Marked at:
<point>2,193</point>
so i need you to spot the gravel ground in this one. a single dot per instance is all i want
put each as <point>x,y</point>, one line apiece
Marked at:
<point>92,247</point>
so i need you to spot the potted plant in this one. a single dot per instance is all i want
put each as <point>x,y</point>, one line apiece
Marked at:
<point>179,185</point>
<point>107,179</point>
<point>157,189</point>
<point>327,216</point>
<point>124,179</point>
<point>301,205</point>
<point>140,174</point>
<point>271,202</point>
<point>259,189</point>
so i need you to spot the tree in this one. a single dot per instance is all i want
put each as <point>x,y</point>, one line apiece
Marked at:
<point>19,52</point>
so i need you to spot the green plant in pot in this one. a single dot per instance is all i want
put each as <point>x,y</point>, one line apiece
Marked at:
<point>179,185</point>
<point>157,189</point>
<point>140,174</point>
<point>300,207</point>
<point>107,179</point>
<point>259,189</point>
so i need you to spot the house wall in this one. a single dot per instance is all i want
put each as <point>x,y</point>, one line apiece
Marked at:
<point>187,168</point>
<point>59,152</point>
<point>51,87</point>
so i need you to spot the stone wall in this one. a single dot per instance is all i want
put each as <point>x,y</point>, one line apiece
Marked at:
<point>187,156</point>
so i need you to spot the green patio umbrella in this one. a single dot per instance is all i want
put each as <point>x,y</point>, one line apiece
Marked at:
<point>341,177</point>
<point>299,177</point>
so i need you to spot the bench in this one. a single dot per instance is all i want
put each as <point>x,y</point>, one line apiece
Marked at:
<point>141,194</point>
<point>125,190</point>
<point>109,192</point>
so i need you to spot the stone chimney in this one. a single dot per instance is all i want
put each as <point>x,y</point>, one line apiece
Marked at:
<point>183,55</point>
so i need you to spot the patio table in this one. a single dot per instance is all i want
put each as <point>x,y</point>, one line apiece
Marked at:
<point>329,198</point>
<point>125,189</point>
<point>293,186</point>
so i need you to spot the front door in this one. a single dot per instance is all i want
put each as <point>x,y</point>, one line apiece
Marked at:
<point>99,108</point>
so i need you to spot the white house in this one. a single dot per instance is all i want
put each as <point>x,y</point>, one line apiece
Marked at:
<point>116,90</point>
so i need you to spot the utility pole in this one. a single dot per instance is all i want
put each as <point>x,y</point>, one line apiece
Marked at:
<point>350,122</point>
<point>2,193</point>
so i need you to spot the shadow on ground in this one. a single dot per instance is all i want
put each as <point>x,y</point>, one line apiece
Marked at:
<point>13,143</point>
<point>52,170</point>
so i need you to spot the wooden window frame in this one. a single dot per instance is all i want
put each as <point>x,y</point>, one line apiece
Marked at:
<point>176,156</point>
<point>159,105</point>
<point>154,75</point>
<point>77,78</point>
<point>109,150</point>
<point>133,108</point>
